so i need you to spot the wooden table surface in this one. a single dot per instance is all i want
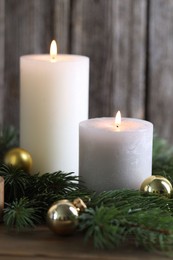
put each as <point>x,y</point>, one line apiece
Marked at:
<point>41,243</point>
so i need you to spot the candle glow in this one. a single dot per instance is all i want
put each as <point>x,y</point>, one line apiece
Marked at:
<point>53,50</point>
<point>118,119</point>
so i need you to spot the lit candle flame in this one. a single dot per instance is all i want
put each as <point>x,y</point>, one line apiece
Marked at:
<point>118,119</point>
<point>53,50</point>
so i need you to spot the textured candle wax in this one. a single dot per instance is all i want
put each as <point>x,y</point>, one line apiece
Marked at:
<point>114,157</point>
<point>53,100</point>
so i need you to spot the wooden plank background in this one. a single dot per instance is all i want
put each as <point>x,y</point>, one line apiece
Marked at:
<point>129,42</point>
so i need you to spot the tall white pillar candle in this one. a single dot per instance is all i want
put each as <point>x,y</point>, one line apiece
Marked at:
<point>53,100</point>
<point>115,157</point>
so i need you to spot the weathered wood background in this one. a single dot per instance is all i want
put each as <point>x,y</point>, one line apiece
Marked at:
<point>129,42</point>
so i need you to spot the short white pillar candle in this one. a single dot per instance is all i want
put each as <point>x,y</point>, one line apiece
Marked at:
<point>115,156</point>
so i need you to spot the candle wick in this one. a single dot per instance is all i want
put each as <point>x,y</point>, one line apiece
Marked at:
<point>53,57</point>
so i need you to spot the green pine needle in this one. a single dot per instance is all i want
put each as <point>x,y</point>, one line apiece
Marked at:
<point>112,218</point>
<point>16,182</point>
<point>58,183</point>
<point>20,214</point>
<point>110,227</point>
<point>103,225</point>
<point>130,200</point>
<point>41,191</point>
<point>152,229</point>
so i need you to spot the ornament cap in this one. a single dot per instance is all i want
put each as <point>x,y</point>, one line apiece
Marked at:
<point>79,204</point>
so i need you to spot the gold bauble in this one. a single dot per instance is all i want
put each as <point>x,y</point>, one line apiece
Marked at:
<point>19,158</point>
<point>157,184</point>
<point>62,217</point>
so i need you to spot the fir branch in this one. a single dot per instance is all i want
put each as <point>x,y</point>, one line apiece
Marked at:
<point>109,227</point>
<point>152,229</point>
<point>58,183</point>
<point>20,214</point>
<point>112,217</point>
<point>115,216</point>
<point>102,225</point>
<point>16,182</point>
<point>130,200</point>
<point>55,185</point>
<point>41,191</point>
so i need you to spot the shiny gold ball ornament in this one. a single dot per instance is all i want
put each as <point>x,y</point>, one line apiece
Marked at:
<point>62,217</point>
<point>19,158</point>
<point>157,184</point>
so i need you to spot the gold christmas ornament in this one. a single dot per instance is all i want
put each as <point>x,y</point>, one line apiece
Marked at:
<point>62,217</point>
<point>19,158</point>
<point>157,184</point>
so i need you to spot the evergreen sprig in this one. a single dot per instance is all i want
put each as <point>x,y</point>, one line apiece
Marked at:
<point>103,226</point>
<point>40,190</point>
<point>152,229</point>
<point>113,218</point>
<point>57,182</point>
<point>116,216</point>
<point>21,214</point>
<point>131,200</point>
<point>16,182</point>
